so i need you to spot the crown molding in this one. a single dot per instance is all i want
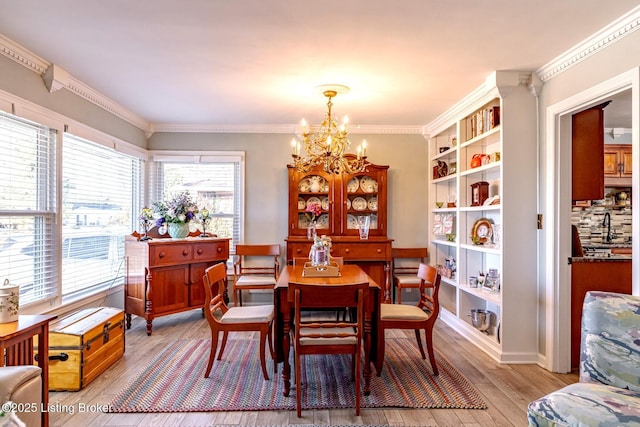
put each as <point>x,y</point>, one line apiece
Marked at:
<point>281,129</point>
<point>38,65</point>
<point>613,32</point>
<point>22,56</point>
<point>496,84</point>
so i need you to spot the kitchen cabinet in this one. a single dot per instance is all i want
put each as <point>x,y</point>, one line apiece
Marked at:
<point>164,276</point>
<point>499,233</point>
<point>617,165</point>
<point>594,274</point>
<point>587,154</point>
<point>344,198</point>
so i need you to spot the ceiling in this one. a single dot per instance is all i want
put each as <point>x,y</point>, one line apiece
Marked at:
<point>258,62</point>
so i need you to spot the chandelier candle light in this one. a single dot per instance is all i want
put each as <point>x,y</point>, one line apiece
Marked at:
<point>326,146</point>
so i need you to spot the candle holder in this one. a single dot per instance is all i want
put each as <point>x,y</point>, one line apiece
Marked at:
<point>204,219</point>
<point>145,229</point>
<point>145,217</point>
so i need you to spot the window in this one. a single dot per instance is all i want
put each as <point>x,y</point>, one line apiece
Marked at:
<point>214,182</point>
<point>100,201</point>
<point>28,207</point>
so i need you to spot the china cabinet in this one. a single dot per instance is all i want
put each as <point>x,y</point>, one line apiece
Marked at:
<point>344,200</point>
<point>483,215</point>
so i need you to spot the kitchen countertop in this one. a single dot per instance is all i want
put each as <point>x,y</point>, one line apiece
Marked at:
<point>601,258</point>
<point>607,246</point>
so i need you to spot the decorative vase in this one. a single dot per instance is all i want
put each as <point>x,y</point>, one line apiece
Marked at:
<point>178,230</point>
<point>311,231</point>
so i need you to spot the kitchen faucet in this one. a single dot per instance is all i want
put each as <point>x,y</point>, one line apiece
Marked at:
<point>606,222</point>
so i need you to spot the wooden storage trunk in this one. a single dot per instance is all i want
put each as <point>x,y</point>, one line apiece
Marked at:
<point>83,345</point>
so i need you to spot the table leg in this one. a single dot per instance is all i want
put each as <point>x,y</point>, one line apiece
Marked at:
<point>367,357</point>
<point>43,363</point>
<point>286,369</point>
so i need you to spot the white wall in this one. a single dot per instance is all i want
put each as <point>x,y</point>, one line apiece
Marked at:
<point>267,189</point>
<point>618,58</point>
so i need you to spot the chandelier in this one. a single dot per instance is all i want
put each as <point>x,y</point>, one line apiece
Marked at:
<point>327,144</point>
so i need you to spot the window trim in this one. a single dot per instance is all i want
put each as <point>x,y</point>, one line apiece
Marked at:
<point>202,156</point>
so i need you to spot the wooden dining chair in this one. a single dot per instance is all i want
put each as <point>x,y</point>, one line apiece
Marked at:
<point>235,319</point>
<point>422,316</point>
<point>405,263</point>
<point>256,267</point>
<point>327,336</point>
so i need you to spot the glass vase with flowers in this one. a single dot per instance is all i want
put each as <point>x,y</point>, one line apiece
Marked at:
<point>313,211</point>
<point>176,212</point>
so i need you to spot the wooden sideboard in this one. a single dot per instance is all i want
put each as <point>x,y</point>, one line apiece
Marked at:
<point>164,276</point>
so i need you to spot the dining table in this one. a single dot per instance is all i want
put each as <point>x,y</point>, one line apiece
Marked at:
<point>348,274</point>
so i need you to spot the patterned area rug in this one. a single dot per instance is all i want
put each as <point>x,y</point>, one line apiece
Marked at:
<point>174,382</point>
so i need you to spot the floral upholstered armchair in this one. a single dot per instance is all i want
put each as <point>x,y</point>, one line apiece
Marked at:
<point>608,393</point>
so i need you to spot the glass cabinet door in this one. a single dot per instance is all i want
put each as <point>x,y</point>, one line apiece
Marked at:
<point>312,195</point>
<point>362,199</point>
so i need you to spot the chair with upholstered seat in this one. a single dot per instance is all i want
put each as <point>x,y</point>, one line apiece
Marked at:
<point>327,337</point>
<point>405,263</point>
<point>417,317</point>
<point>256,267</point>
<point>235,319</point>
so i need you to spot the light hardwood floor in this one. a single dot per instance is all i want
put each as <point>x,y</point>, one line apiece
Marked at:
<point>507,389</point>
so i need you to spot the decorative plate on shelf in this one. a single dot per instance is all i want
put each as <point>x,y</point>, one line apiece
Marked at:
<point>301,203</point>
<point>352,185</point>
<point>368,184</point>
<point>315,200</point>
<point>348,203</point>
<point>323,221</point>
<point>325,203</point>
<point>373,203</point>
<point>303,221</point>
<point>481,231</point>
<point>359,204</point>
<point>352,222</point>
<point>304,185</point>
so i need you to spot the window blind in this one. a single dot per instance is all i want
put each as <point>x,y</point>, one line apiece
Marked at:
<point>214,184</point>
<point>28,207</point>
<point>101,196</point>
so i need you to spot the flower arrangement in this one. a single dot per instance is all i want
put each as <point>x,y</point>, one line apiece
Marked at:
<point>179,209</point>
<point>146,215</point>
<point>313,211</point>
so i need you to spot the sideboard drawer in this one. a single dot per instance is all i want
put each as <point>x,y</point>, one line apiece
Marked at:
<point>169,254</point>
<point>210,251</point>
<point>298,250</point>
<point>362,251</point>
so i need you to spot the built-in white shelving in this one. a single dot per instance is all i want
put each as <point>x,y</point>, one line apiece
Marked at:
<point>488,140</point>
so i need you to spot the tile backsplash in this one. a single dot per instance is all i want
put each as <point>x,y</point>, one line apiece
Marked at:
<point>589,221</point>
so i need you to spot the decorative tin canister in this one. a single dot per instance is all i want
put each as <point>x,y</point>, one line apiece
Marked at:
<point>9,295</point>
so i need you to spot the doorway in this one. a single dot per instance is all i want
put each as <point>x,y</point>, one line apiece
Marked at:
<point>556,242</point>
